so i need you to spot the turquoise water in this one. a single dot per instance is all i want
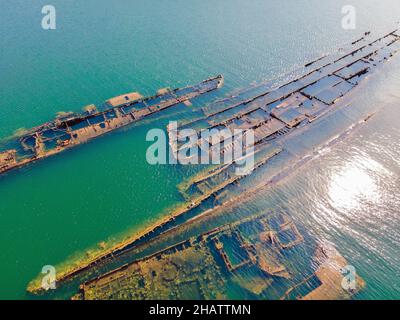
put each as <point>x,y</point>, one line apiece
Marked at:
<point>64,205</point>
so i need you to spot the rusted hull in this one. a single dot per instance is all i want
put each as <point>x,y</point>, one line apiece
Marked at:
<point>63,133</point>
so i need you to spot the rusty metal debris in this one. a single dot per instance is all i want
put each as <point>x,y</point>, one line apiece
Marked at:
<point>277,112</point>
<point>200,267</point>
<point>69,130</point>
<point>273,115</point>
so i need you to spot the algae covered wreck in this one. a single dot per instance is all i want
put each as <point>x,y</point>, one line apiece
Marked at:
<point>69,130</point>
<point>193,252</point>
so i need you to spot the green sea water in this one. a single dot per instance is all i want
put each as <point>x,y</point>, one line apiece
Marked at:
<point>64,205</point>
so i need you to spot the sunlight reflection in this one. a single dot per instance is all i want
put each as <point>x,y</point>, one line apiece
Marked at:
<point>355,184</point>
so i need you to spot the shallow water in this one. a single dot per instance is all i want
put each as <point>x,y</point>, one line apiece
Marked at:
<point>348,194</point>
<point>67,204</point>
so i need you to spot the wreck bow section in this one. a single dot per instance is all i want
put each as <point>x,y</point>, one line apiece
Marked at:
<point>69,130</point>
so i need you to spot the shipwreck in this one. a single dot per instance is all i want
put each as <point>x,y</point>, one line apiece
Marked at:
<point>280,117</point>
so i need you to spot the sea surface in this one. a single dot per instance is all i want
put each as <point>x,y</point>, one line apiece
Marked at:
<point>65,205</point>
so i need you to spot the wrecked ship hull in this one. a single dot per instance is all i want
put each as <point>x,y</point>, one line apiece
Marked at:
<point>286,154</point>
